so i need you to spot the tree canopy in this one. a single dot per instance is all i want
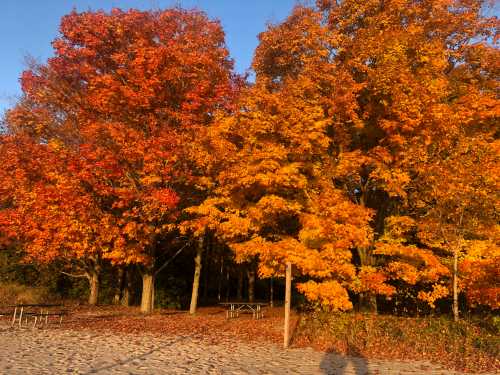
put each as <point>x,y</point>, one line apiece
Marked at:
<point>366,152</point>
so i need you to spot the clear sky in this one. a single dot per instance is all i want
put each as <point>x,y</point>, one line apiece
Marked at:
<point>28,26</point>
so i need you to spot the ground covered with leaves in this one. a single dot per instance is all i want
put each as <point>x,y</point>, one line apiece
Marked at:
<point>464,346</point>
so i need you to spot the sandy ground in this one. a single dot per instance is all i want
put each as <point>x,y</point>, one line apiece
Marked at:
<point>64,351</point>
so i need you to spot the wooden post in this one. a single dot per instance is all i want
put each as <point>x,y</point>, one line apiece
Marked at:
<point>21,317</point>
<point>288,299</point>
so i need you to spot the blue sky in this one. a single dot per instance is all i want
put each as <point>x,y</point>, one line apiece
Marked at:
<point>28,26</point>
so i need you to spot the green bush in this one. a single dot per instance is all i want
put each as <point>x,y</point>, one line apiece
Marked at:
<point>165,299</point>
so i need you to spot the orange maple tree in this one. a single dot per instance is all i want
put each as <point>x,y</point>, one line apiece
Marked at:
<point>47,208</point>
<point>349,105</point>
<point>123,93</point>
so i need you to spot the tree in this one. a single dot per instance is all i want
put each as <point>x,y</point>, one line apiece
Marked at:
<point>458,213</point>
<point>50,212</point>
<point>131,89</point>
<point>269,201</point>
<point>348,102</point>
<point>387,76</point>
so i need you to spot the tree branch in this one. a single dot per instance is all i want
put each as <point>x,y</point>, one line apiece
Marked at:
<point>171,259</point>
<point>81,276</point>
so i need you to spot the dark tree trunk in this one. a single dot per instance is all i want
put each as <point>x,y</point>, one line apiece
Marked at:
<point>221,276</point>
<point>367,301</point>
<point>127,287</point>
<point>206,273</point>
<point>271,292</point>
<point>251,284</point>
<point>239,290</point>
<point>120,284</point>
<point>228,284</point>
<point>455,286</point>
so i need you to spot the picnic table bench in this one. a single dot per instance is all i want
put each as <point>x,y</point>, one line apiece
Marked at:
<point>234,309</point>
<point>31,310</point>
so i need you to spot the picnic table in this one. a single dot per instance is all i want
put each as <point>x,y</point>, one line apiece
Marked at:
<point>39,313</point>
<point>234,309</point>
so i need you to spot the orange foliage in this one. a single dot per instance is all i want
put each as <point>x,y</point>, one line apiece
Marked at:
<point>123,92</point>
<point>366,153</point>
<point>330,294</point>
<point>332,150</point>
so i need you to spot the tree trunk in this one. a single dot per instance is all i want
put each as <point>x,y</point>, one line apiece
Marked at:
<point>368,303</point>
<point>207,269</point>
<point>127,287</point>
<point>228,284</point>
<point>271,292</point>
<point>94,287</point>
<point>221,275</point>
<point>119,286</point>
<point>367,300</point>
<point>239,290</point>
<point>455,286</point>
<point>148,286</point>
<point>251,284</point>
<point>288,303</point>
<point>196,278</point>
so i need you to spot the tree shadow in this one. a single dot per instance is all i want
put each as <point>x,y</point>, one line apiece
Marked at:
<point>337,364</point>
<point>87,319</point>
<point>142,356</point>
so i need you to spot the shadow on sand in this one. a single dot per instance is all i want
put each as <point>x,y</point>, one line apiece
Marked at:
<point>353,363</point>
<point>117,365</point>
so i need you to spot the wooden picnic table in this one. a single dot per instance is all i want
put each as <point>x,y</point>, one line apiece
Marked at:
<point>234,308</point>
<point>26,310</point>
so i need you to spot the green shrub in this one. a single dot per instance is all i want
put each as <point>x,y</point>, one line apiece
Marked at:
<point>165,299</point>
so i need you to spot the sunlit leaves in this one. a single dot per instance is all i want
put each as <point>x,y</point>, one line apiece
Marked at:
<point>123,95</point>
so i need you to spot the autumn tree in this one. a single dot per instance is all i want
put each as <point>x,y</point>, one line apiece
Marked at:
<point>269,201</point>
<point>349,102</point>
<point>365,153</point>
<point>455,196</point>
<point>129,89</point>
<point>385,73</point>
<point>48,210</point>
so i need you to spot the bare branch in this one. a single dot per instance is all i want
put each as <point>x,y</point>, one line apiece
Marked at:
<point>81,276</point>
<point>171,259</point>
